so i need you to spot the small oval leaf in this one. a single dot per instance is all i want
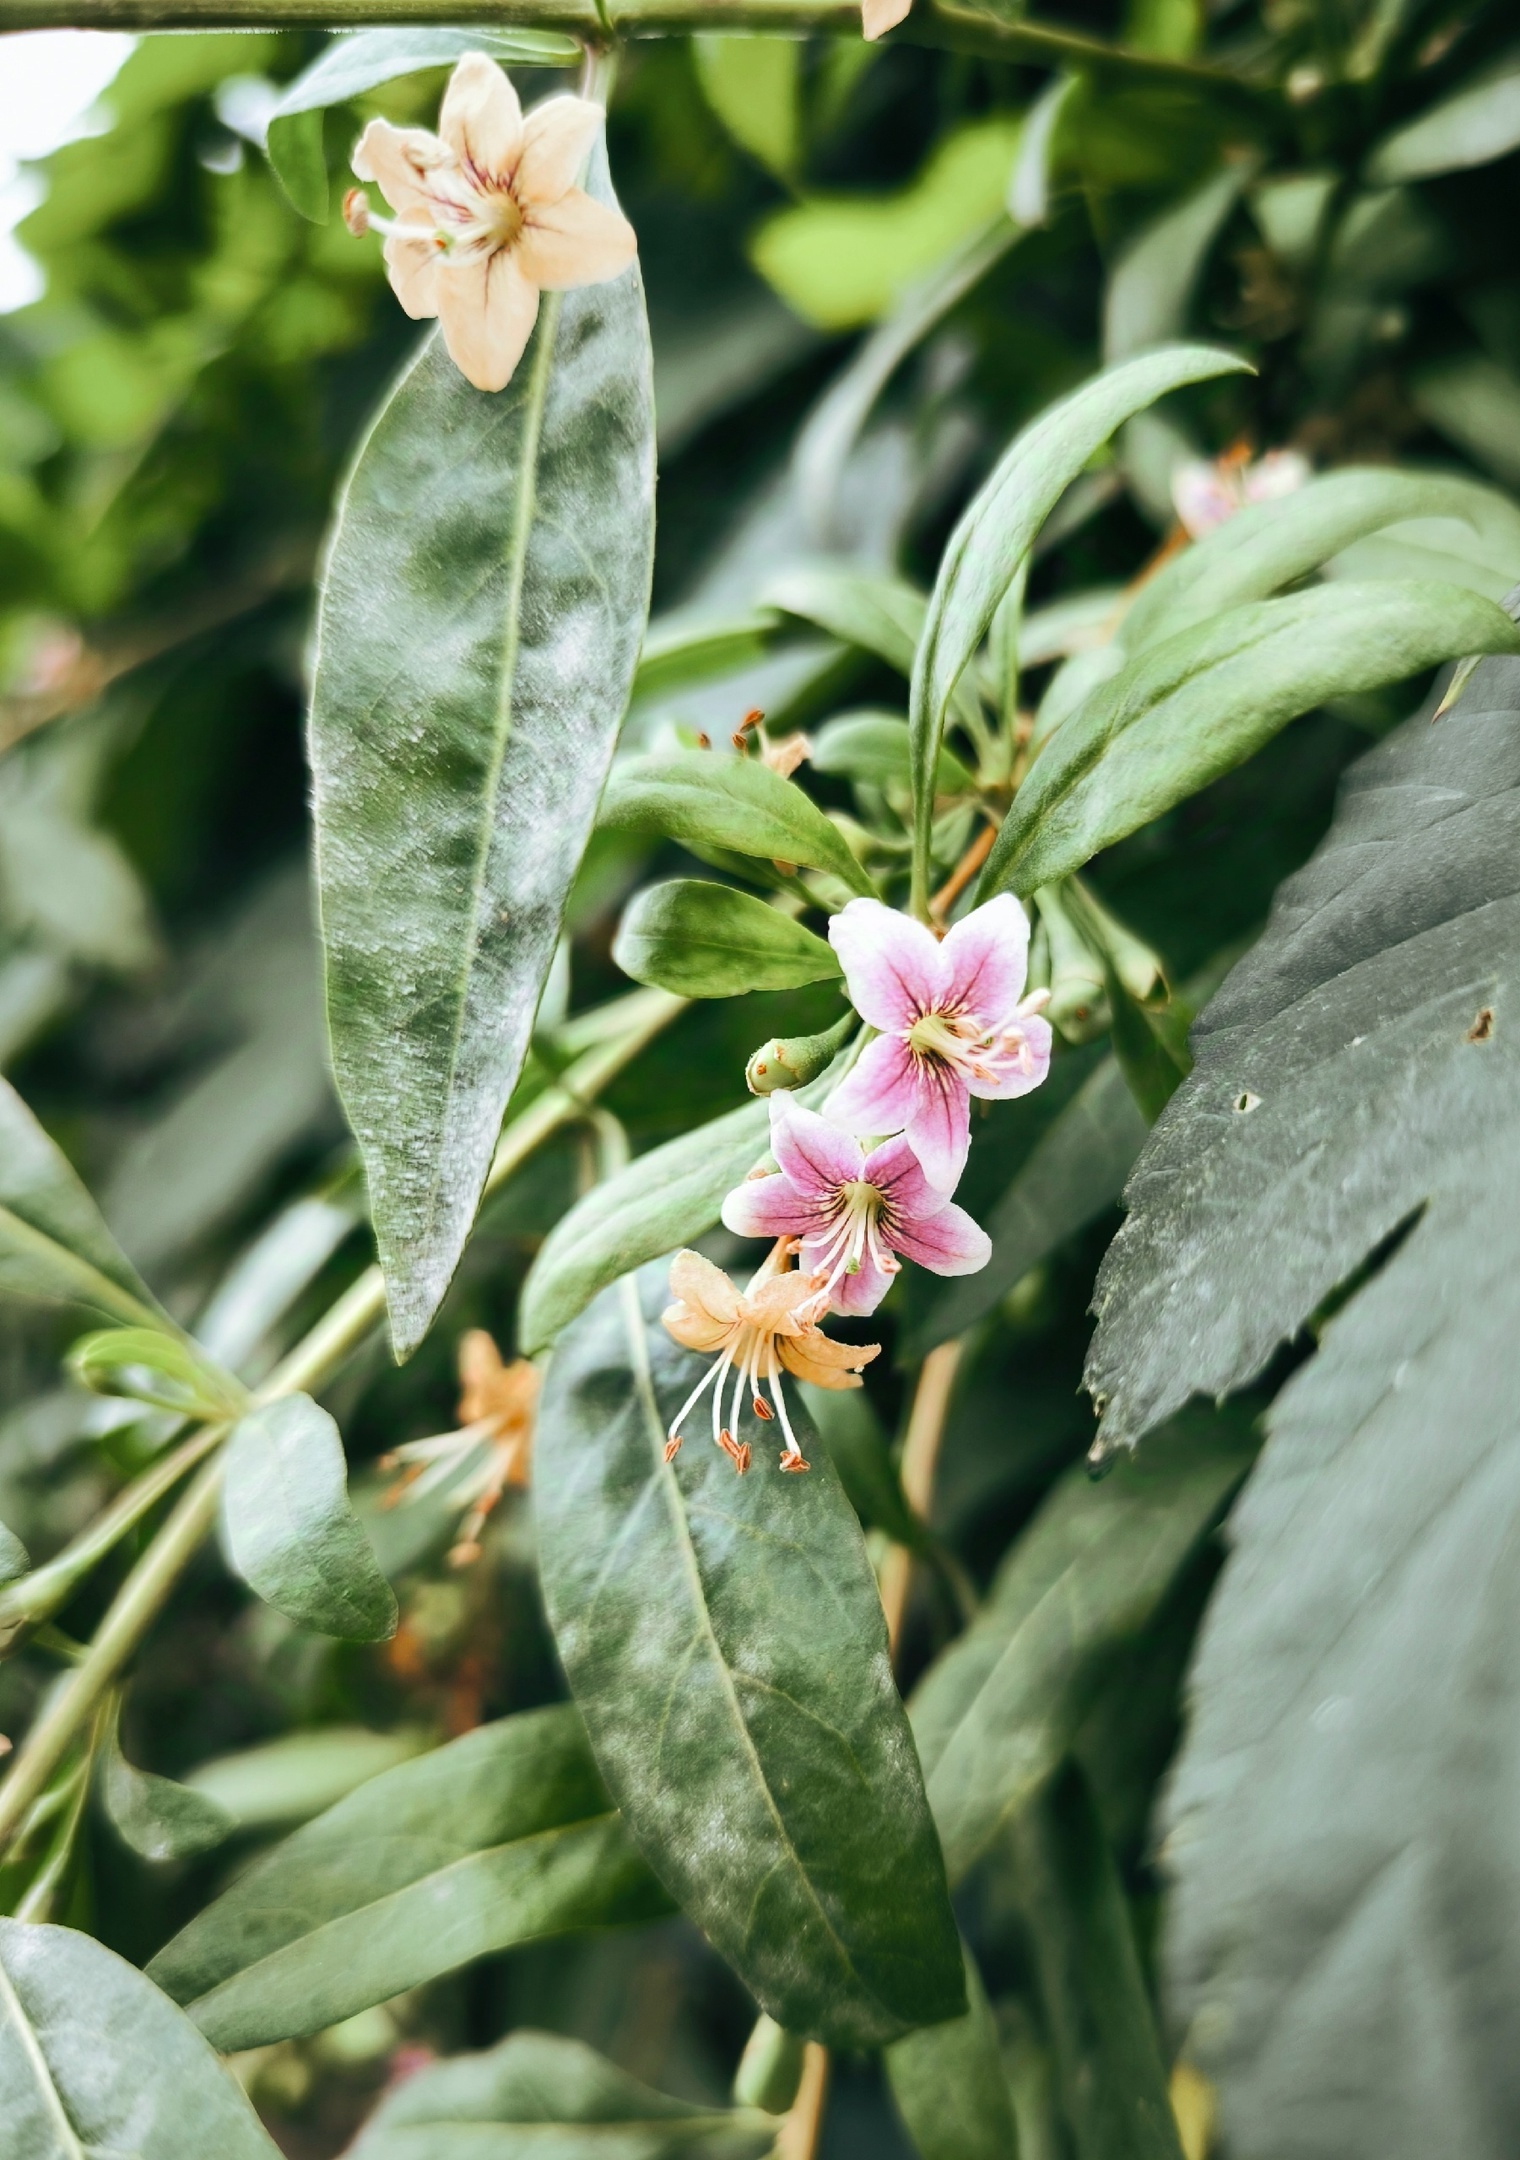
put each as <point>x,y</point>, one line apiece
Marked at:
<point>708,941</point>
<point>728,802</point>
<point>146,1365</point>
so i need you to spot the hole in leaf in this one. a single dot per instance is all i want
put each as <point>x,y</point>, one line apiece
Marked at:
<point>1245,1102</point>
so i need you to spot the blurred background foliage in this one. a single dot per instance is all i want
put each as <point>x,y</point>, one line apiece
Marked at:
<point>848,326</point>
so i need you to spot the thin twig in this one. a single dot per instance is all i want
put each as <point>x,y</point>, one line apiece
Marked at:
<point>964,871</point>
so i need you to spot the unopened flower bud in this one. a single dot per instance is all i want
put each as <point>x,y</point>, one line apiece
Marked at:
<point>356,212</point>
<point>791,1061</point>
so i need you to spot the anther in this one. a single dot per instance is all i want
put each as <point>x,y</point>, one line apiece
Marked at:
<point>672,1447</point>
<point>762,1409</point>
<point>793,1462</point>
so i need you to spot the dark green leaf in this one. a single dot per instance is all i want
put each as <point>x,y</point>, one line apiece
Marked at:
<point>498,1838</point>
<point>873,746</point>
<point>158,1819</point>
<point>994,1715</point>
<point>1108,2060</point>
<point>93,2060</point>
<point>1479,123</point>
<point>146,1365</point>
<point>53,1243</point>
<point>535,2093</point>
<point>289,1529</point>
<point>486,593</point>
<point>1185,711</point>
<point>728,802</point>
<point>993,538</point>
<point>1151,289</point>
<point>764,1767</point>
<point>298,155</point>
<point>707,941</point>
<point>851,1431</point>
<point>949,2084</point>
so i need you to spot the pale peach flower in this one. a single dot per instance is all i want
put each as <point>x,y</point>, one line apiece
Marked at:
<point>755,1331</point>
<point>488,215</point>
<point>491,1449</point>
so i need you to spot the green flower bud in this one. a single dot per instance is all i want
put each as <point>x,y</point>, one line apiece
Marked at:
<point>791,1061</point>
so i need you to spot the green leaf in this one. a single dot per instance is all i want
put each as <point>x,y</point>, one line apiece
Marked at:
<point>290,1779</point>
<point>15,1561</point>
<point>53,1243</point>
<point>881,614</point>
<point>363,61</point>
<point>706,941</point>
<point>1185,711</point>
<point>158,1819</point>
<point>485,596</point>
<point>535,2093</point>
<point>678,652</point>
<point>1073,1172</point>
<point>1479,123</point>
<point>728,802</point>
<point>1151,288</point>
<point>994,1715</point>
<point>949,2085</point>
<point>146,1365</point>
<point>289,1530</point>
<point>873,747</point>
<point>851,1431</point>
<point>1474,401</point>
<point>1108,2059</point>
<point>1357,1077</point>
<point>93,2060</point>
<point>501,1837</point>
<point>765,1768</point>
<point>1272,544</point>
<point>753,84</point>
<point>993,538</point>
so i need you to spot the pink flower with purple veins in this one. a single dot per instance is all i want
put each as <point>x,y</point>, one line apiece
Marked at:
<point>854,1212</point>
<point>953,1022</point>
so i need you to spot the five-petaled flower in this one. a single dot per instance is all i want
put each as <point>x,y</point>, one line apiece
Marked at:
<point>854,1212</point>
<point>491,1449</point>
<point>756,1331</point>
<point>488,215</point>
<point>953,1023</point>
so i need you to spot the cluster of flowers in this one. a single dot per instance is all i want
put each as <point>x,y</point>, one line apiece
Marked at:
<point>869,1182</point>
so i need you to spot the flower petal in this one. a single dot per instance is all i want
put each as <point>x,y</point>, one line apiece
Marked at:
<point>692,1329</point>
<point>986,957</point>
<point>1203,496</point>
<point>398,161</point>
<point>1279,473</point>
<point>488,309</point>
<point>828,1364</point>
<point>696,1282</point>
<point>877,17</point>
<point>947,1242</point>
<point>891,963</point>
<point>769,1207</point>
<point>574,241</point>
<point>556,137</point>
<point>813,1153</point>
<point>412,266</point>
<point>878,1094</point>
<point>480,119</point>
<point>1021,1070</point>
<point>856,1294</point>
<point>898,1176</point>
<point>939,1129</point>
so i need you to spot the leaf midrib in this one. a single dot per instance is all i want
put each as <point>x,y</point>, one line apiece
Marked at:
<point>11,2000</point>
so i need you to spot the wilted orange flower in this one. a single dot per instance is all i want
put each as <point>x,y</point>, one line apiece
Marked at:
<point>491,1449</point>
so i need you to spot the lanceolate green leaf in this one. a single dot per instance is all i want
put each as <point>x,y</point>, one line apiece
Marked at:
<point>288,1527</point>
<point>1151,288</point>
<point>704,940</point>
<point>484,601</point>
<point>53,1243</point>
<point>679,652</point>
<point>949,2084</point>
<point>728,802</point>
<point>765,1768</point>
<point>157,1818</point>
<point>994,1715</point>
<point>94,2060</point>
<point>1185,711</point>
<point>500,1837</point>
<point>984,553</point>
<point>873,746</point>
<point>148,1365</point>
<point>537,2094</point>
<point>1479,123</point>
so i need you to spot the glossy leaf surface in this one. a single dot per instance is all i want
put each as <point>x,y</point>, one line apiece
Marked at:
<point>500,1837</point>
<point>485,598</point>
<point>728,802</point>
<point>767,1771</point>
<point>704,941</point>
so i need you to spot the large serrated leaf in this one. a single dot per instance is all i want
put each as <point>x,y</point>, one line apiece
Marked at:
<point>484,600</point>
<point>1342,1824</point>
<point>501,1837</point>
<point>725,1642</point>
<point>94,2061</point>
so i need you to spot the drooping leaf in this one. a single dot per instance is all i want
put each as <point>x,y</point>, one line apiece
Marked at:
<point>882,615</point>
<point>1151,287</point>
<point>679,652</point>
<point>873,746</point>
<point>485,597</point>
<point>536,2093</point>
<point>1184,711</point>
<point>147,1365</point>
<point>704,940</point>
<point>1109,2067</point>
<point>949,2084</point>
<point>766,1770</point>
<point>363,61</point>
<point>288,1527</point>
<point>996,1712</point>
<point>994,535</point>
<point>1341,1836</point>
<point>53,1243</point>
<point>728,802</point>
<point>1479,123</point>
<point>159,1819</point>
<point>94,2060</point>
<point>754,86</point>
<point>500,1837</point>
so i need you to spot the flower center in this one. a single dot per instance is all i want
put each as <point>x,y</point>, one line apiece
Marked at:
<point>944,1036</point>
